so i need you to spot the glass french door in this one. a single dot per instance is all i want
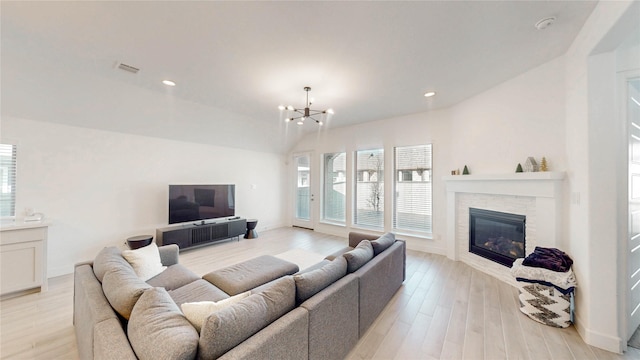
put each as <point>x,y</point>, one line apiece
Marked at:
<point>303,195</point>
<point>633,120</point>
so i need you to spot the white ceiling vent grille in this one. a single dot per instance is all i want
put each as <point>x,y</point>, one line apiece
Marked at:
<point>129,68</point>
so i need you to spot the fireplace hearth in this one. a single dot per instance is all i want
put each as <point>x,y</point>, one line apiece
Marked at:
<point>497,236</point>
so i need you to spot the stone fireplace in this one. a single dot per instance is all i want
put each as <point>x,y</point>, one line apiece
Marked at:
<point>537,197</point>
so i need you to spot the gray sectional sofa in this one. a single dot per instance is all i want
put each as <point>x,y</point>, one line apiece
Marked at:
<point>319,313</point>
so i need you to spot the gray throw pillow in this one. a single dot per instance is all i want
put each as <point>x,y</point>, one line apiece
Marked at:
<point>108,258</point>
<point>359,256</point>
<point>382,243</point>
<point>123,288</point>
<point>312,282</point>
<point>225,329</point>
<point>158,330</point>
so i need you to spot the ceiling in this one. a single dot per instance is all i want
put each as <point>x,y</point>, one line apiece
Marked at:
<point>235,62</point>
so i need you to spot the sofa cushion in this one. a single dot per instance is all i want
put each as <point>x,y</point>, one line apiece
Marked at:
<point>158,330</point>
<point>246,275</point>
<point>225,329</point>
<point>359,256</point>
<point>382,243</point>
<point>174,277</point>
<point>108,258</point>
<point>199,290</point>
<point>145,261</point>
<point>312,282</point>
<point>123,288</point>
<point>197,312</point>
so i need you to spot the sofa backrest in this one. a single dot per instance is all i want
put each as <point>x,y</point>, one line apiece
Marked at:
<point>225,329</point>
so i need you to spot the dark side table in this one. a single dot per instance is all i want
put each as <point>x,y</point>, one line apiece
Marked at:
<point>251,232</point>
<point>136,242</point>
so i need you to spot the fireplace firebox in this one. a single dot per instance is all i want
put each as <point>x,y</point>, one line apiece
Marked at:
<point>497,236</point>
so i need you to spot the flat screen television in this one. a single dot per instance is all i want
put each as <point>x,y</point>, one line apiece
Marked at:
<point>188,203</point>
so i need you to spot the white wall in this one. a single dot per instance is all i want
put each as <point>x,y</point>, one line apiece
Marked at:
<point>100,187</point>
<point>593,151</point>
<point>494,131</point>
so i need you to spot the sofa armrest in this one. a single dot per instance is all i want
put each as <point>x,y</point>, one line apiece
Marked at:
<point>356,237</point>
<point>379,280</point>
<point>110,342</point>
<point>90,307</point>
<point>286,339</point>
<point>333,319</point>
<point>169,254</point>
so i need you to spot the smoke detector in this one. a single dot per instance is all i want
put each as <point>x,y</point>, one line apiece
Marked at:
<point>129,68</point>
<point>545,23</point>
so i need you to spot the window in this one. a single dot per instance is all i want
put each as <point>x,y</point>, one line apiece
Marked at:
<point>334,187</point>
<point>369,194</point>
<point>412,200</point>
<point>8,177</point>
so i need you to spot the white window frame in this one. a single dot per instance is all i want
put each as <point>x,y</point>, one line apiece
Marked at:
<point>8,178</point>
<point>429,209</point>
<point>323,185</point>
<point>354,199</point>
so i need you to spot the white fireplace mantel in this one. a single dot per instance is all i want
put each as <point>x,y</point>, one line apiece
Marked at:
<point>500,192</point>
<point>535,184</point>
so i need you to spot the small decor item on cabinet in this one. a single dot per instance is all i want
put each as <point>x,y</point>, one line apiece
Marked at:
<point>531,165</point>
<point>519,168</point>
<point>543,164</point>
<point>31,215</point>
<point>465,171</point>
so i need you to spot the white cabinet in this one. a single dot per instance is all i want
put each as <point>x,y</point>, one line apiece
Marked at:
<point>23,257</point>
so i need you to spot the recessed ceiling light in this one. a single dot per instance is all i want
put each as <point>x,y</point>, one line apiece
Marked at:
<point>545,23</point>
<point>430,94</point>
<point>168,83</point>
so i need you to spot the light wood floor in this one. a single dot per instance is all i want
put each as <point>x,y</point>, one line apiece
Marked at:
<point>444,310</point>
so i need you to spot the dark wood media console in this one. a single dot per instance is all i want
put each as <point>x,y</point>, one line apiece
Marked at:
<point>186,236</point>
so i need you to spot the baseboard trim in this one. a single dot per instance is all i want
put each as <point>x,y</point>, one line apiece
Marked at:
<point>603,341</point>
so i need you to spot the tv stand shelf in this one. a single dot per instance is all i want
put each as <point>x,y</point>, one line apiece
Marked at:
<point>186,236</point>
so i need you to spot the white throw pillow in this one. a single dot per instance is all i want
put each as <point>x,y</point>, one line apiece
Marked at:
<point>145,261</point>
<point>198,312</point>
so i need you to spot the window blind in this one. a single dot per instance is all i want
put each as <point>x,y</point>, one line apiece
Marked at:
<point>8,169</point>
<point>334,187</point>
<point>369,197</point>
<point>413,188</point>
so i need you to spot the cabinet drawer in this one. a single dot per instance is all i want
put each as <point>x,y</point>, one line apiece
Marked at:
<point>22,235</point>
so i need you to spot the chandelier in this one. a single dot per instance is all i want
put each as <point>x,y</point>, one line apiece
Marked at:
<point>306,113</point>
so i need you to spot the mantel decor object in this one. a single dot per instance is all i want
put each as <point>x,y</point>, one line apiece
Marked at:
<point>465,171</point>
<point>519,168</point>
<point>531,165</point>
<point>543,164</point>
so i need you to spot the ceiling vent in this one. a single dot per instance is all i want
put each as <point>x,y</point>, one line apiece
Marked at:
<point>129,68</point>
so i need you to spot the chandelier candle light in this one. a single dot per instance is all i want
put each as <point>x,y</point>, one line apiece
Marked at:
<point>306,113</point>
